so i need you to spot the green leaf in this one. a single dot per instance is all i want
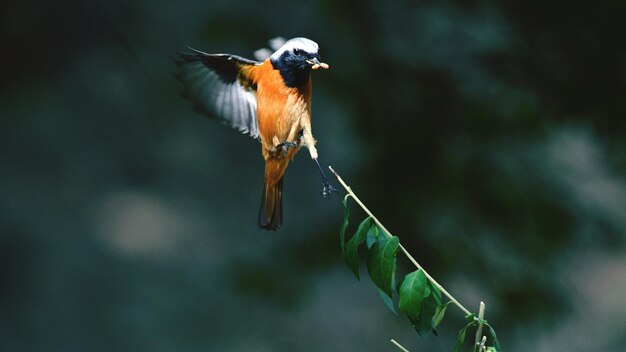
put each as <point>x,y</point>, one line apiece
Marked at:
<point>372,236</point>
<point>381,262</point>
<point>492,332</point>
<point>427,291</point>
<point>461,338</point>
<point>387,300</point>
<point>415,300</point>
<point>436,292</point>
<point>344,225</point>
<point>412,292</point>
<point>439,314</point>
<point>424,324</point>
<point>351,249</point>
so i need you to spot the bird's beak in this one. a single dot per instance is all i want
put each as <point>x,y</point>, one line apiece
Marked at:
<point>316,64</point>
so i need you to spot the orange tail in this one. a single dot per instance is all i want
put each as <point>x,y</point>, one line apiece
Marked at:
<point>271,212</point>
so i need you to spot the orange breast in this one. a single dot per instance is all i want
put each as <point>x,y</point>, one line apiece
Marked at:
<point>281,110</point>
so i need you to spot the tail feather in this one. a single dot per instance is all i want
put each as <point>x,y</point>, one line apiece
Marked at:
<point>271,214</point>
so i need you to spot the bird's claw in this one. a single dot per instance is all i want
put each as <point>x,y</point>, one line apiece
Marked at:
<point>286,145</point>
<point>327,189</point>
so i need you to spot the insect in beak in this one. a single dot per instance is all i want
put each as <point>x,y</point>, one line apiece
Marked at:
<point>316,64</point>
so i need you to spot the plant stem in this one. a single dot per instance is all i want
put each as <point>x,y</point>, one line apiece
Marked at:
<point>479,330</point>
<point>406,253</point>
<point>399,346</point>
<point>482,347</point>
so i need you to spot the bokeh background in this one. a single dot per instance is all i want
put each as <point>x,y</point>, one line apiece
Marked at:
<point>488,135</point>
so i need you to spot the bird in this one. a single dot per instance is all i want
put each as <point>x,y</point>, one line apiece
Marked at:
<point>269,100</point>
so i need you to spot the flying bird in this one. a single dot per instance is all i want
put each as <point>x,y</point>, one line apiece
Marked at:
<point>269,100</point>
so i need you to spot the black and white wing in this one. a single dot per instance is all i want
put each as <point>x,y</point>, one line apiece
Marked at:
<point>218,86</point>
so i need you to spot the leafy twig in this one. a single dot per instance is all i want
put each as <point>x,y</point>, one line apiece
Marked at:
<point>406,253</point>
<point>420,295</point>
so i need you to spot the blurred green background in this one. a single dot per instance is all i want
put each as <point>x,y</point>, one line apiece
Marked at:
<point>488,135</point>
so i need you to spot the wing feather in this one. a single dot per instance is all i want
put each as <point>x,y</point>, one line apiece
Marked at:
<point>217,87</point>
<point>235,107</point>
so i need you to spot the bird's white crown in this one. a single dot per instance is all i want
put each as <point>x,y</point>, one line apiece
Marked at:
<point>303,44</point>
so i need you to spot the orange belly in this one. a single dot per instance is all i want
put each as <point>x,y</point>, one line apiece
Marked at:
<point>281,111</point>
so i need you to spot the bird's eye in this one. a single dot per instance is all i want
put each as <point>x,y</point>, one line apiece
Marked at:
<point>296,51</point>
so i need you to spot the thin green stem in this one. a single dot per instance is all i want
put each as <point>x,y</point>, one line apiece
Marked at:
<point>406,253</point>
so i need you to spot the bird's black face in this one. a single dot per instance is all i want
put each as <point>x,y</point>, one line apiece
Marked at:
<point>295,66</point>
<point>299,59</point>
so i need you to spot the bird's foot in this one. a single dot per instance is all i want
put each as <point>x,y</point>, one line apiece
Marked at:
<point>286,145</point>
<point>327,189</point>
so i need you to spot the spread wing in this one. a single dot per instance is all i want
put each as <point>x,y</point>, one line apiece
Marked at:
<point>218,86</point>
